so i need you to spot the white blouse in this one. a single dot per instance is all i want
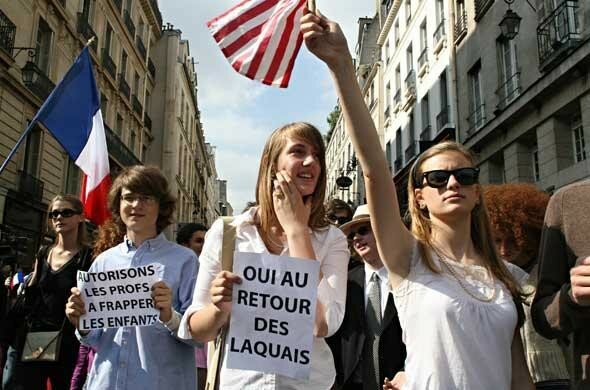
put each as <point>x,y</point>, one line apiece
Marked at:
<point>453,340</point>
<point>331,249</point>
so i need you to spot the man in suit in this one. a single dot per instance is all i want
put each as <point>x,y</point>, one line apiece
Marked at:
<point>368,346</point>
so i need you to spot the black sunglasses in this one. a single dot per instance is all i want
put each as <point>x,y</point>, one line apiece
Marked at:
<point>338,220</point>
<point>362,231</point>
<point>66,213</point>
<point>440,177</point>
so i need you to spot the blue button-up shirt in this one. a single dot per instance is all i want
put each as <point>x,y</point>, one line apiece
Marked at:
<point>148,357</point>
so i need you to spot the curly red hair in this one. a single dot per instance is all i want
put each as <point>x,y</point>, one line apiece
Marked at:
<point>517,210</point>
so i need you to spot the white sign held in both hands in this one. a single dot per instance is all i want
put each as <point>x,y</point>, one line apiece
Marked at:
<point>273,313</point>
<point>118,298</point>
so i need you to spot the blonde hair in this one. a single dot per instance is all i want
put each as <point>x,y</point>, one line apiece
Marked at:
<point>268,167</point>
<point>78,207</point>
<point>481,231</point>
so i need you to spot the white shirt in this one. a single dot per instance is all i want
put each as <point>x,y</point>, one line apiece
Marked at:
<point>331,249</point>
<point>383,281</point>
<point>453,340</point>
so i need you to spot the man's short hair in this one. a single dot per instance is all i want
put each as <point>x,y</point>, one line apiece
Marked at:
<point>185,233</point>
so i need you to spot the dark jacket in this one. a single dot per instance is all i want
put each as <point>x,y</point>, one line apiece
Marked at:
<point>347,343</point>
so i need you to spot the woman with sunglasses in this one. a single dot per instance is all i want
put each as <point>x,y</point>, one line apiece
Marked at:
<point>47,292</point>
<point>455,297</point>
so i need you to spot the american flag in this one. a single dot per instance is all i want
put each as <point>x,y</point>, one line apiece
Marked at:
<point>261,38</point>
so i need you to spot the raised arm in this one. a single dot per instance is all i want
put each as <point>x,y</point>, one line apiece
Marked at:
<point>325,40</point>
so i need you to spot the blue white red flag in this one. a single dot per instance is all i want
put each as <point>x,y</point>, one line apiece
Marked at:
<point>261,38</point>
<point>72,114</point>
<point>17,279</point>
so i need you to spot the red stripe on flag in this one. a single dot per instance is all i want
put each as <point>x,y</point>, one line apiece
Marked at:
<point>289,70</point>
<point>230,50</point>
<point>95,201</point>
<point>259,55</point>
<point>226,13</point>
<point>284,42</point>
<point>244,18</point>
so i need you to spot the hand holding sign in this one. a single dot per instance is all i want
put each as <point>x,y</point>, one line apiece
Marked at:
<point>162,296</point>
<point>221,290</point>
<point>75,307</point>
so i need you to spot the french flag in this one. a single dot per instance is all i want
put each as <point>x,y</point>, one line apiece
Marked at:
<point>17,279</point>
<point>72,114</point>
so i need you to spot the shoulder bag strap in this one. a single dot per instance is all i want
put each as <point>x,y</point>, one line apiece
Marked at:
<point>227,264</point>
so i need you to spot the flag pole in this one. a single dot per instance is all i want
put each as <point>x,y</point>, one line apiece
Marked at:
<point>18,143</point>
<point>311,6</point>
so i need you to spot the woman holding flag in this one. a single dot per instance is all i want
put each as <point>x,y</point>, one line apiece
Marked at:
<point>46,294</point>
<point>459,306</point>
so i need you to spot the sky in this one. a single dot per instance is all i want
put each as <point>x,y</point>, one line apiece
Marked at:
<point>238,114</point>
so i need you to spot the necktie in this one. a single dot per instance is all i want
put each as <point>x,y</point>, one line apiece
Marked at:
<point>372,375</point>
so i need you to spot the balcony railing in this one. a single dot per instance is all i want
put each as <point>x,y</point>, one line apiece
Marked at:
<point>425,133</point>
<point>119,150</point>
<point>30,186</point>
<point>442,119</point>
<point>476,119</point>
<point>124,87</point>
<point>439,35</point>
<point>152,68</point>
<point>558,33</point>
<point>508,91</point>
<point>423,59</point>
<point>410,151</point>
<point>109,64</point>
<point>38,83</point>
<point>147,121</point>
<point>481,6</point>
<point>129,23</point>
<point>461,26</point>
<point>136,105</point>
<point>118,5</point>
<point>141,47</point>
<point>86,30</point>
<point>7,33</point>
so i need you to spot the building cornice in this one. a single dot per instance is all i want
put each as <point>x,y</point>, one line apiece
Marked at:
<point>388,22</point>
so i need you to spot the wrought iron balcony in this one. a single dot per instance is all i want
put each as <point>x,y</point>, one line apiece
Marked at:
<point>147,121</point>
<point>140,47</point>
<point>152,68</point>
<point>37,81</point>
<point>118,150</point>
<point>439,36</point>
<point>124,87</point>
<point>481,6</point>
<point>410,151</point>
<point>109,64</point>
<point>7,33</point>
<point>136,105</point>
<point>476,119</point>
<point>558,33</point>
<point>29,186</point>
<point>442,119</point>
<point>508,91</point>
<point>129,23</point>
<point>423,59</point>
<point>86,30</point>
<point>118,4</point>
<point>461,26</point>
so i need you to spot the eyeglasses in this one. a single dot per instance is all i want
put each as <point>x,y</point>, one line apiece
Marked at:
<point>440,177</point>
<point>66,213</point>
<point>139,198</point>
<point>338,220</point>
<point>362,231</point>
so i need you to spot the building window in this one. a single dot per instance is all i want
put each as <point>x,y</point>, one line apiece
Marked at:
<point>396,33</point>
<point>43,46</point>
<point>33,152</point>
<point>535,161</point>
<point>108,39</point>
<point>386,53</point>
<point>440,11</point>
<point>476,106</point>
<point>136,85</point>
<point>408,10</point>
<point>388,156</point>
<point>425,110</point>
<point>578,138</point>
<point>119,127</point>
<point>123,64</point>
<point>410,59</point>
<point>509,87</point>
<point>132,139</point>
<point>387,98</point>
<point>72,177</point>
<point>398,150</point>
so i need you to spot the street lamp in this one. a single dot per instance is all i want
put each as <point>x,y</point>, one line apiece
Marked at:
<point>510,23</point>
<point>344,182</point>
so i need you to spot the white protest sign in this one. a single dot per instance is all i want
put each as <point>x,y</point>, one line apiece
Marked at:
<point>118,298</point>
<point>273,313</point>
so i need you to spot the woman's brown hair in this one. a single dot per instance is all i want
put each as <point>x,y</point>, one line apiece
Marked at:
<point>481,232</point>
<point>145,180</point>
<point>78,207</point>
<point>270,155</point>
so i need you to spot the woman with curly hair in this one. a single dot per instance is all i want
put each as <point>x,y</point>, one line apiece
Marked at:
<point>516,214</point>
<point>147,357</point>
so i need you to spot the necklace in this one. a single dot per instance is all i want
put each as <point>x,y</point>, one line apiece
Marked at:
<point>459,279</point>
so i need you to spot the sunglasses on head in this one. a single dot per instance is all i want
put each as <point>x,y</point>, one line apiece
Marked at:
<point>362,231</point>
<point>440,177</point>
<point>66,213</point>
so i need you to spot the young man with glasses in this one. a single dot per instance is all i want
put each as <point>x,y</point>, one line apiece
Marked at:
<point>368,346</point>
<point>147,357</point>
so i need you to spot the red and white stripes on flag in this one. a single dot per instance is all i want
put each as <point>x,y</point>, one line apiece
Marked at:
<point>261,38</point>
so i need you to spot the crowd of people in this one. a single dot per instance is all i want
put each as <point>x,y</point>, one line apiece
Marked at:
<point>486,287</point>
